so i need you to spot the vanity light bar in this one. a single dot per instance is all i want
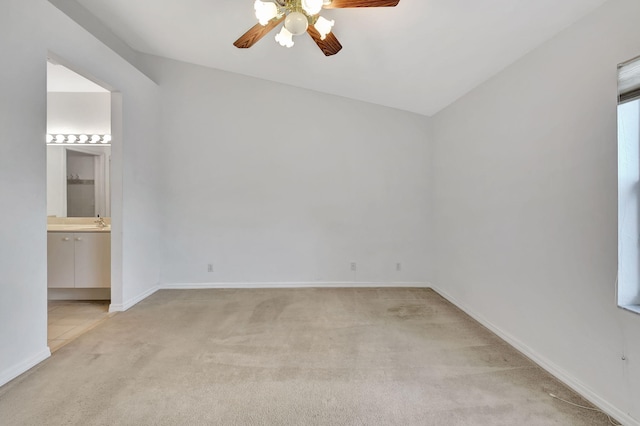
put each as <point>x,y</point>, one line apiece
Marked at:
<point>73,139</point>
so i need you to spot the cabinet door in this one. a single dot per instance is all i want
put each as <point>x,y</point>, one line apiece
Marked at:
<point>93,259</point>
<point>60,259</point>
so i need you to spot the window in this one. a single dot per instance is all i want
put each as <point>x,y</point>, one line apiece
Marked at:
<point>629,185</point>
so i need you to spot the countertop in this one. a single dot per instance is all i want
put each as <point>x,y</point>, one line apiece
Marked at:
<point>76,224</point>
<point>59,227</point>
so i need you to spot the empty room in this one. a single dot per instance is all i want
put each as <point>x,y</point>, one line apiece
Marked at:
<point>323,212</point>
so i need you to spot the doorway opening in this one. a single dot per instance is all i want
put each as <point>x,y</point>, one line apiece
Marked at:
<point>78,203</point>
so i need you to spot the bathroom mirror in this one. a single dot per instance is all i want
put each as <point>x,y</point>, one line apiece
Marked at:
<point>78,181</point>
<point>629,185</point>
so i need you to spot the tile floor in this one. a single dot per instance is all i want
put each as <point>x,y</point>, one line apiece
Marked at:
<point>69,319</point>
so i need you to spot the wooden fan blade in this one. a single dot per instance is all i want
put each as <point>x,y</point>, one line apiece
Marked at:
<point>329,46</point>
<point>342,4</point>
<point>256,32</point>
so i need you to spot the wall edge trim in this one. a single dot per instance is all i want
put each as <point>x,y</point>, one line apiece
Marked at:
<point>121,307</point>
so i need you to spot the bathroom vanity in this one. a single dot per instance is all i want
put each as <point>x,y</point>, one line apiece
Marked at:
<point>79,253</point>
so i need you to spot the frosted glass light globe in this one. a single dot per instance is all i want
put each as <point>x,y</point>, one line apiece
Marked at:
<point>265,11</point>
<point>285,38</point>
<point>296,23</point>
<point>324,26</point>
<point>312,7</point>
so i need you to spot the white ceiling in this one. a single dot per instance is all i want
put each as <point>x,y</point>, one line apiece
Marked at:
<point>419,56</point>
<point>62,79</point>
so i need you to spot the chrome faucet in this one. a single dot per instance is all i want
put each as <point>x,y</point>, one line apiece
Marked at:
<point>100,222</point>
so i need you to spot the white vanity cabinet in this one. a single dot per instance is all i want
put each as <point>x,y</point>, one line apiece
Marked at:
<point>79,259</point>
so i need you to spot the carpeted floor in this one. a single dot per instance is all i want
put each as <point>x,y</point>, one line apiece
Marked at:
<point>290,357</point>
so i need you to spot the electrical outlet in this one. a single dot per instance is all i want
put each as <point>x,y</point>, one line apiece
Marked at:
<point>398,266</point>
<point>210,267</point>
<point>354,266</point>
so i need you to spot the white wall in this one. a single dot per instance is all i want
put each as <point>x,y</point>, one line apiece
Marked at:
<point>77,113</point>
<point>275,184</point>
<point>28,29</point>
<point>525,196</point>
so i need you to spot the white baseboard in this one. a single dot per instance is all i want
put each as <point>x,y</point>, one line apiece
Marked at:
<point>121,307</point>
<point>546,364</point>
<point>315,284</point>
<point>13,372</point>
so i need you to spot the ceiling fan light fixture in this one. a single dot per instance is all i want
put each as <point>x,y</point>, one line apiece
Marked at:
<point>285,38</point>
<point>300,16</point>
<point>324,26</point>
<point>265,11</point>
<point>312,7</point>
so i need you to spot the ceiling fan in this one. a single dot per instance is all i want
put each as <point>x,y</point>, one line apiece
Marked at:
<point>301,16</point>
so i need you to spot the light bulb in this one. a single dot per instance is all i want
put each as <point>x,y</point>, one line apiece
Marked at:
<point>312,7</point>
<point>59,138</point>
<point>49,138</point>
<point>106,139</point>
<point>285,38</point>
<point>296,23</point>
<point>265,11</point>
<point>324,26</point>
<point>83,138</point>
<point>71,138</point>
<point>95,138</point>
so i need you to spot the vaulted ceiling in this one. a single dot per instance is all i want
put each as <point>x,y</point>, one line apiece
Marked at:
<point>419,56</point>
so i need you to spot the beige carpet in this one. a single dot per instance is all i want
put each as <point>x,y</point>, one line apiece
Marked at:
<point>290,357</point>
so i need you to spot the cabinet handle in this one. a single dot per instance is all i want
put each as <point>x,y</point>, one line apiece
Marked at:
<point>65,239</point>
<point>78,239</point>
